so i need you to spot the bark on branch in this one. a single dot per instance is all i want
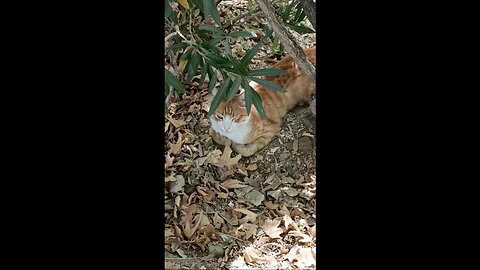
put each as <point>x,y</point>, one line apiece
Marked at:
<point>310,10</point>
<point>288,40</point>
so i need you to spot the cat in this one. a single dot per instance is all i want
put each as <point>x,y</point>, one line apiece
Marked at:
<point>230,124</point>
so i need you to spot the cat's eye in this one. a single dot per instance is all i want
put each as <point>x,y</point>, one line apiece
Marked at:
<point>218,117</point>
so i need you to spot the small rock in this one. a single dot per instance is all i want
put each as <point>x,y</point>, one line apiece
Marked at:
<point>305,143</point>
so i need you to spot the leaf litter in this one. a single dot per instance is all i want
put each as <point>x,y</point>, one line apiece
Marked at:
<point>223,211</point>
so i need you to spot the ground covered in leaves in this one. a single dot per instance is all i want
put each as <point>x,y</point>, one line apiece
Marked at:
<point>223,211</point>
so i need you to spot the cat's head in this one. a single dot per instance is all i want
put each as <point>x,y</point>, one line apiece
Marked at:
<point>231,116</point>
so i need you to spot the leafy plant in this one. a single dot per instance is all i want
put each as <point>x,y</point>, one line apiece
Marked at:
<point>207,46</point>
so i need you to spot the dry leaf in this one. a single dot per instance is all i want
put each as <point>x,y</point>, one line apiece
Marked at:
<point>189,230</point>
<point>252,255</point>
<point>304,237</point>
<point>232,183</point>
<point>168,160</point>
<point>178,184</point>
<point>225,160</point>
<point>271,205</point>
<point>250,216</point>
<point>255,197</point>
<point>176,123</point>
<point>172,266</point>
<point>250,230</point>
<point>252,167</point>
<point>181,253</point>
<point>287,220</point>
<point>176,148</point>
<point>270,227</point>
<point>291,191</point>
<point>304,258</point>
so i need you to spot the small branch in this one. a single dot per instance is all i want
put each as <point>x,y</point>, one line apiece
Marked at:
<point>288,40</point>
<point>169,36</point>
<point>241,16</point>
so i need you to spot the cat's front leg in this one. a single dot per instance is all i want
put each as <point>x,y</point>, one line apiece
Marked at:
<point>248,150</point>
<point>219,138</point>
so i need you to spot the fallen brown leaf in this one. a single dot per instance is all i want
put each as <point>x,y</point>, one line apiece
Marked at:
<point>232,183</point>
<point>270,227</point>
<point>225,160</point>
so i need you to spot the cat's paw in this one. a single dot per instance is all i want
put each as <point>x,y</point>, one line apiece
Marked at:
<point>242,149</point>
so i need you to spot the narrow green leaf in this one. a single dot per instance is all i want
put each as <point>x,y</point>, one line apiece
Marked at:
<point>267,72</point>
<point>233,90</point>
<point>298,13</point>
<point>186,54</point>
<point>206,7</point>
<point>216,59</point>
<point>268,84</point>
<point>300,29</point>
<point>302,16</point>
<point>286,13</point>
<point>209,28</point>
<point>250,54</point>
<point>214,12</point>
<point>168,9</point>
<point>213,81</point>
<point>178,46</point>
<point>171,80</point>
<point>241,34</point>
<point>228,50</point>
<point>204,66</point>
<point>248,95</point>
<point>193,66</point>
<point>257,101</point>
<point>218,98</point>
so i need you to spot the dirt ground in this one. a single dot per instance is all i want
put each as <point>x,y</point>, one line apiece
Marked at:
<point>224,211</point>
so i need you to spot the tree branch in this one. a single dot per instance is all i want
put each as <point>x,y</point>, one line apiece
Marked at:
<point>310,10</point>
<point>288,40</point>
<point>230,22</point>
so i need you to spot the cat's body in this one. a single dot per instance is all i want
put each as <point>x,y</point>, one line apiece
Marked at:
<point>248,134</point>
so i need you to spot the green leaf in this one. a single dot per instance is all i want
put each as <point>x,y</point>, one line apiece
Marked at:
<point>168,9</point>
<point>286,13</point>
<point>211,9</point>
<point>186,54</point>
<point>204,66</point>
<point>218,98</point>
<point>300,29</point>
<point>233,90</point>
<point>250,54</point>
<point>302,16</point>
<point>178,46</point>
<point>228,50</point>
<point>248,95</point>
<point>241,34</point>
<point>213,79</point>
<point>257,101</point>
<point>193,66</point>
<point>209,28</point>
<point>171,80</point>
<point>298,13</point>
<point>216,59</point>
<point>267,72</point>
<point>268,84</point>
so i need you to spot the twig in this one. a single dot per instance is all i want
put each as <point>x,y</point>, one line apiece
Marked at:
<point>241,16</point>
<point>288,40</point>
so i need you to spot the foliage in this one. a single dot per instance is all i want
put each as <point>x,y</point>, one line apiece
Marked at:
<point>203,43</point>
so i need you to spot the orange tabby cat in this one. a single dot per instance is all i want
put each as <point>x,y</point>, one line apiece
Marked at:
<point>230,124</point>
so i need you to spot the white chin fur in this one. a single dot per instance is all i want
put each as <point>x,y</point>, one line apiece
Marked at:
<point>238,132</point>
